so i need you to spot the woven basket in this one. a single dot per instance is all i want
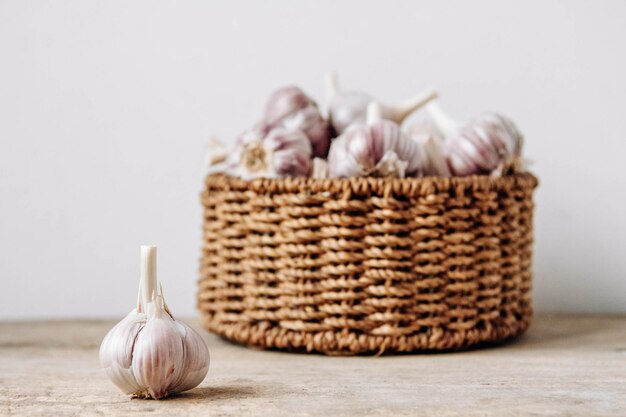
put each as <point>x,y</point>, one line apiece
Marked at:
<point>367,265</point>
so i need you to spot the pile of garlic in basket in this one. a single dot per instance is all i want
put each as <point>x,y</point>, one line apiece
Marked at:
<point>358,136</point>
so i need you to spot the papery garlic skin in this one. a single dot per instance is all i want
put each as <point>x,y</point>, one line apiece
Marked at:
<point>196,355</point>
<point>483,144</point>
<point>379,149</point>
<point>150,354</point>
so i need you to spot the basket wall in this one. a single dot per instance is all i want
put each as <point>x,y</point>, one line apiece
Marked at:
<point>367,265</point>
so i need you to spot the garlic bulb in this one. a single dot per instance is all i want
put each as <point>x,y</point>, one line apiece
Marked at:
<point>349,108</point>
<point>150,354</point>
<point>480,146</point>
<point>279,153</point>
<point>377,149</point>
<point>290,108</point>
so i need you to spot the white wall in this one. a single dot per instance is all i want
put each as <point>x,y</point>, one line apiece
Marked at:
<point>106,108</point>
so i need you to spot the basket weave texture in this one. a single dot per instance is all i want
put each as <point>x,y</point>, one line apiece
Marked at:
<point>367,265</point>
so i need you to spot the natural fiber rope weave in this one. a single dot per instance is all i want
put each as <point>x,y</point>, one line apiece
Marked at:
<point>367,265</point>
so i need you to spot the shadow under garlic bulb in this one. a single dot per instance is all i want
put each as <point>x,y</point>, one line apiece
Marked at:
<point>378,149</point>
<point>290,108</point>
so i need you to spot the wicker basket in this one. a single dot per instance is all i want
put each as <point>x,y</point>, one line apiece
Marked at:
<point>367,265</point>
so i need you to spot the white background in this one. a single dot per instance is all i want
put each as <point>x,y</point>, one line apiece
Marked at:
<point>106,108</point>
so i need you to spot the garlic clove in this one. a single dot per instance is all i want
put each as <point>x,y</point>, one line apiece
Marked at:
<point>158,354</point>
<point>117,345</point>
<point>116,352</point>
<point>197,359</point>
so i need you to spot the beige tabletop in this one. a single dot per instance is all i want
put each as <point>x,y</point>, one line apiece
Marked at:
<point>564,365</point>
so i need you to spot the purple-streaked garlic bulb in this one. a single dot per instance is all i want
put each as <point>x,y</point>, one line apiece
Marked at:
<point>349,108</point>
<point>290,108</point>
<point>150,354</point>
<point>481,145</point>
<point>275,154</point>
<point>378,149</point>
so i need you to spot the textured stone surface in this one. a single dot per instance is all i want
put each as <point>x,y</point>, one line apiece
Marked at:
<point>565,365</point>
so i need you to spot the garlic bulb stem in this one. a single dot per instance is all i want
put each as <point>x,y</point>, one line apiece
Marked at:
<point>331,87</point>
<point>402,111</point>
<point>446,124</point>
<point>374,113</point>
<point>148,276</point>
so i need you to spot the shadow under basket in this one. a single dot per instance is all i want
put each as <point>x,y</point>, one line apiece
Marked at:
<point>367,265</point>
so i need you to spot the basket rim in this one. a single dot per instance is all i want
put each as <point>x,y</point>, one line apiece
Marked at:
<point>371,185</point>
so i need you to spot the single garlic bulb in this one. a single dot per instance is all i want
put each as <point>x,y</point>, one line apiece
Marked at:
<point>480,146</point>
<point>290,108</point>
<point>377,149</point>
<point>349,108</point>
<point>278,153</point>
<point>150,354</point>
